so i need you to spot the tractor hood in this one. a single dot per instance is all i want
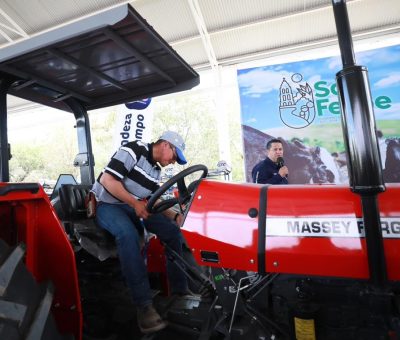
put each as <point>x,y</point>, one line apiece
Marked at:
<point>111,58</point>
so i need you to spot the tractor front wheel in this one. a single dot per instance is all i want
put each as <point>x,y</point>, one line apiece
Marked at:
<point>24,304</point>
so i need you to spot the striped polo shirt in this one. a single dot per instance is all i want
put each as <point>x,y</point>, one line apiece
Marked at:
<point>134,166</point>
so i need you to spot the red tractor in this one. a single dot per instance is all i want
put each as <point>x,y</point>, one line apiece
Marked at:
<point>266,262</point>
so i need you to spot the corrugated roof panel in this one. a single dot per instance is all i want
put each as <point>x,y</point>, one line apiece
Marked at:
<point>192,51</point>
<point>172,19</point>
<point>10,34</point>
<point>303,28</point>
<point>223,13</point>
<point>372,14</point>
<point>274,34</point>
<point>37,16</point>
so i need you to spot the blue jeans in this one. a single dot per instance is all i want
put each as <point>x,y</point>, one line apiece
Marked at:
<point>121,221</point>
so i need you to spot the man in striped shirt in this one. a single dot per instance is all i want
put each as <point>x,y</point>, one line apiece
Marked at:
<point>130,177</point>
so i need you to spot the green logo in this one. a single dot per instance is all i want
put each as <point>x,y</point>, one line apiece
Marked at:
<point>327,106</point>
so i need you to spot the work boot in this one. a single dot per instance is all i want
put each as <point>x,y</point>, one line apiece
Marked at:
<point>149,320</point>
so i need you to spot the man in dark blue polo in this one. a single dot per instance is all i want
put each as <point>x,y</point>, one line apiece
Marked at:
<point>271,170</point>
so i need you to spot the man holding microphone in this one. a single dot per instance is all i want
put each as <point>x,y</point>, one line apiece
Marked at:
<point>272,169</point>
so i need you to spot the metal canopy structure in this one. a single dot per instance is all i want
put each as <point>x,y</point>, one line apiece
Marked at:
<point>106,59</point>
<point>118,58</point>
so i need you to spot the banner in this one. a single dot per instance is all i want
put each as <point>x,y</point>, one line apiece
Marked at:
<point>134,122</point>
<point>297,102</point>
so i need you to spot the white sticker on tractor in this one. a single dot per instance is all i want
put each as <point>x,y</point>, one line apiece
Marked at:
<point>328,227</point>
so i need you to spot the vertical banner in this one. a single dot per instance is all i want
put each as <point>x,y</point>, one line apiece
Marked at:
<point>297,102</point>
<point>134,122</point>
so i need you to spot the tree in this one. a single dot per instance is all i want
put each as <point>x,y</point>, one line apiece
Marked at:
<point>192,116</point>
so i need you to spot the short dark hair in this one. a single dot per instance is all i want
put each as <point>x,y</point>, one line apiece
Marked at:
<point>275,140</point>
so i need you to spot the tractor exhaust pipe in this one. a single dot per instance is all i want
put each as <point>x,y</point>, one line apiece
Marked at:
<point>362,150</point>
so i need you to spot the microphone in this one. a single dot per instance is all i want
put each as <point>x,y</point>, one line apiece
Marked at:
<point>280,162</point>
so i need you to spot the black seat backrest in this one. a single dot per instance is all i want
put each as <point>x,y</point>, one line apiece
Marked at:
<point>72,199</point>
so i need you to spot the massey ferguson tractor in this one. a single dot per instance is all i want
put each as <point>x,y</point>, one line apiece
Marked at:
<point>298,262</point>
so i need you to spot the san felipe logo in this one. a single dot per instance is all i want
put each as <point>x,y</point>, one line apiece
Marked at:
<point>296,107</point>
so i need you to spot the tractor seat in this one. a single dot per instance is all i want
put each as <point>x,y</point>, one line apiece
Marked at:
<point>94,239</point>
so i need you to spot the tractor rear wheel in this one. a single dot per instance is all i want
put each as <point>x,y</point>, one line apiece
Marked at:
<point>24,304</point>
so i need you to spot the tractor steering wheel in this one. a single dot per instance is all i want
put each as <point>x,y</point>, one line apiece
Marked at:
<point>184,192</point>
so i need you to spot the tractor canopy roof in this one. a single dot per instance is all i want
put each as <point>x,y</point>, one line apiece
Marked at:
<point>111,58</point>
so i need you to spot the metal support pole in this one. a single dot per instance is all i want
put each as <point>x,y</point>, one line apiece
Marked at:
<point>344,33</point>
<point>85,159</point>
<point>5,84</point>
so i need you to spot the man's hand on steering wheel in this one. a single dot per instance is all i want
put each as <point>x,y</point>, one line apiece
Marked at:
<point>154,205</point>
<point>141,209</point>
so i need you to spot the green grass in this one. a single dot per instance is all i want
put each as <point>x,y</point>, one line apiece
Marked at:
<point>330,136</point>
<point>389,128</point>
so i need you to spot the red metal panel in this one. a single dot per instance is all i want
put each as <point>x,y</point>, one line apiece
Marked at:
<point>326,256</point>
<point>218,221</point>
<point>389,204</point>
<point>156,263</point>
<point>49,255</point>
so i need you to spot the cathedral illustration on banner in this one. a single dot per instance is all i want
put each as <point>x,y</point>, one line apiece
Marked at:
<point>297,110</point>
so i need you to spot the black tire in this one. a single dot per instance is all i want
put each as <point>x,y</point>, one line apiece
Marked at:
<point>24,304</point>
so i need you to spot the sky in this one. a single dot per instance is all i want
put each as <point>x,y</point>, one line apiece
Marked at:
<point>259,86</point>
